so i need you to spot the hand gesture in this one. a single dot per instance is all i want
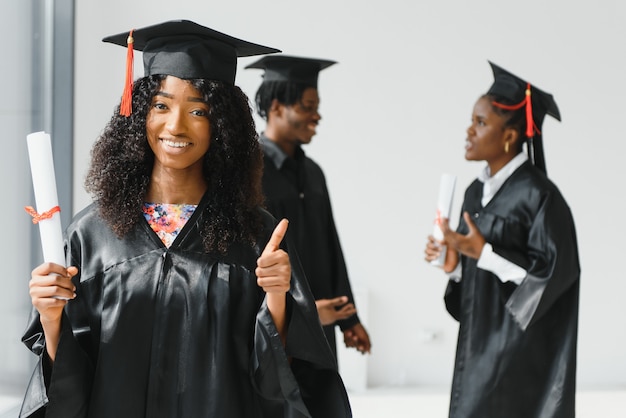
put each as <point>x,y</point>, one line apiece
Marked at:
<point>470,245</point>
<point>273,267</point>
<point>274,276</point>
<point>358,338</point>
<point>328,312</point>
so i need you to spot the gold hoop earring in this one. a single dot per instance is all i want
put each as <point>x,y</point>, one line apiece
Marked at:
<point>506,147</point>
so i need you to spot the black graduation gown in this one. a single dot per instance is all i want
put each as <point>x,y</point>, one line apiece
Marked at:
<point>516,351</point>
<point>172,332</point>
<point>297,191</point>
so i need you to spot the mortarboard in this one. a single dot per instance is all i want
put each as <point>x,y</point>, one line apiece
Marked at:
<point>289,68</point>
<point>185,49</point>
<point>519,93</point>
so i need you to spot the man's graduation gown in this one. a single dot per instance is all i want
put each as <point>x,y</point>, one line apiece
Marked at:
<point>297,190</point>
<point>516,352</point>
<point>172,332</point>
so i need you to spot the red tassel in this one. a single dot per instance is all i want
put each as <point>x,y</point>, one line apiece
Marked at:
<point>530,123</point>
<point>126,107</point>
<point>38,217</point>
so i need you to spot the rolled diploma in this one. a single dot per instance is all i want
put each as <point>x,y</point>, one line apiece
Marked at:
<point>444,206</point>
<point>44,186</point>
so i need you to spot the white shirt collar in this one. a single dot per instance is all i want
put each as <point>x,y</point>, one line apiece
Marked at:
<point>491,184</point>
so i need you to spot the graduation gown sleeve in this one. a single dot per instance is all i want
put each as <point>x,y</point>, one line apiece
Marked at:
<point>309,381</point>
<point>553,262</point>
<point>72,371</point>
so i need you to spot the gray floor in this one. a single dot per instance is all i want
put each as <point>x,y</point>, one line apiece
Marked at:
<point>414,403</point>
<point>423,403</point>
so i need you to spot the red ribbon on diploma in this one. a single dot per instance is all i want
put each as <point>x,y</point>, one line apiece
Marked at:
<point>438,217</point>
<point>37,217</point>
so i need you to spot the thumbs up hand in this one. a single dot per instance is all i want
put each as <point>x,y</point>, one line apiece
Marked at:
<point>273,267</point>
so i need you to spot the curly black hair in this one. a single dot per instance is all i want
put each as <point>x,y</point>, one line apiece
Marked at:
<point>121,165</point>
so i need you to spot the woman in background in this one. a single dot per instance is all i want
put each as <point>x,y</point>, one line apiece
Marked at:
<point>513,266</point>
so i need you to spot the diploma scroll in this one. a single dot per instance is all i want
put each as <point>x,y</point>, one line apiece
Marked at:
<point>444,206</point>
<point>46,199</point>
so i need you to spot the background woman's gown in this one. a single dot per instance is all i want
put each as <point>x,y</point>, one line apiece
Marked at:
<point>516,352</point>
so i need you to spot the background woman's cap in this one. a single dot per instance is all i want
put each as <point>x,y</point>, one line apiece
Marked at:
<point>509,86</point>
<point>289,68</point>
<point>186,50</point>
<point>513,93</point>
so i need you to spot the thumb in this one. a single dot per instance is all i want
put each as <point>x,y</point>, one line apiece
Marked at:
<point>470,223</point>
<point>338,301</point>
<point>444,225</point>
<point>277,237</point>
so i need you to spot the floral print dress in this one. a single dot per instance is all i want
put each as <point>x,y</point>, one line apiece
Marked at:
<point>167,219</point>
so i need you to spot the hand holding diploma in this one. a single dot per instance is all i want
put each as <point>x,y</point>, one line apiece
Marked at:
<point>47,214</point>
<point>470,245</point>
<point>51,283</point>
<point>50,288</point>
<point>436,250</point>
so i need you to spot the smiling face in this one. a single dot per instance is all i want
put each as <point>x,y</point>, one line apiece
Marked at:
<point>304,116</point>
<point>301,119</point>
<point>487,136</point>
<point>178,128</point>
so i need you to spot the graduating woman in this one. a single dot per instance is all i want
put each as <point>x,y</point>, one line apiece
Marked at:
<point>180,300</point>
<point>513,264</point>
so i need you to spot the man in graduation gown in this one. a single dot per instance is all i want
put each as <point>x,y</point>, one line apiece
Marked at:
<point>295,188</point>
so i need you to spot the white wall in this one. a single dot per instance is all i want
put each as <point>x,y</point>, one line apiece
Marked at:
<point>16,114</point>
<point>395,110</point>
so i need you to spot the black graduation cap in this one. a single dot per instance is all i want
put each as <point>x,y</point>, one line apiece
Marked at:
<point>186,50</point>
<point>519,93</point>
<point>290,68</point>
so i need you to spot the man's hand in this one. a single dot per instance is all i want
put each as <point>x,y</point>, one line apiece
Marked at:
<point>357,337</point>
<point>333,310</point>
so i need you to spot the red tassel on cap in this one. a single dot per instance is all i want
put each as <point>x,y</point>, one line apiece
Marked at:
<point>530,123</point>
<point>126,107</point>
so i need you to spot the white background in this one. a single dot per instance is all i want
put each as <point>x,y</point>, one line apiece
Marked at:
<point>395,110</point>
